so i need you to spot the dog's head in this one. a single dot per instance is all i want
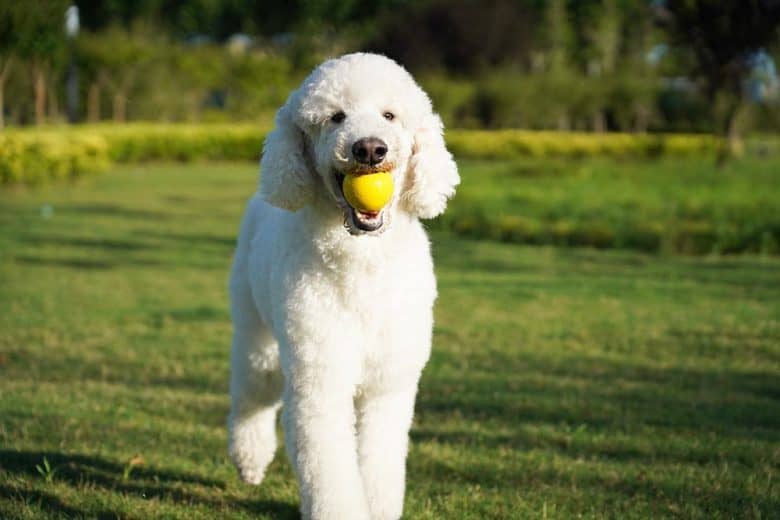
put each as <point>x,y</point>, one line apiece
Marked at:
<point>358,114</point>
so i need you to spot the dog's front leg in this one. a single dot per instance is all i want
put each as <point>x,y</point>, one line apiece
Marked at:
<point>319,425</point>
<point>383,434</point>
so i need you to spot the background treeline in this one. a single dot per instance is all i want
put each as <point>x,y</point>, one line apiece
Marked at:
<point>593,65</point>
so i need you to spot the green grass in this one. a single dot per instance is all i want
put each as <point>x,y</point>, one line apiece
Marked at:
<point>682,205</point>
<point>563,383</point>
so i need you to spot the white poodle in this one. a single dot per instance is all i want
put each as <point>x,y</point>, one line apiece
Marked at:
<point>332,307</point>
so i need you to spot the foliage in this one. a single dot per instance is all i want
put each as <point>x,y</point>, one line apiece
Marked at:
<point>46,471</point>
<point>461,37</point>
<point>144,142</point>
<point>721,36</point>
<point>563,383</point>
<point>219,19</point>
<point>32,156</point>
<point>508,144</point>
<point>175,82</point>
<point>562,64</point>
<point>116,58</point>
<point>38,38</point>
<point>35,157</point>
<point>38,27</point>
<point>257,85</point>
<point>8,34</point>
<point>508,98</point>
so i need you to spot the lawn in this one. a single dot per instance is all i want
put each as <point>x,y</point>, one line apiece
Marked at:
<point>671,205</point>
<point>564,382</point>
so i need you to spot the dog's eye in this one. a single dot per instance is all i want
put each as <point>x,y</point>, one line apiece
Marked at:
<point>389,116</point>
<point>338,117</point>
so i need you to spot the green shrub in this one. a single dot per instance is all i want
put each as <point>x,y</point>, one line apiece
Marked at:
<point>510,144</point>
<point>182,142</point>
<point>31,155</point>
<point>34,157</point>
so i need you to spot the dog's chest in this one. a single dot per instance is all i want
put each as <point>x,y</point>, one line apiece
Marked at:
<point>381,291</point>
<point>388,305</point>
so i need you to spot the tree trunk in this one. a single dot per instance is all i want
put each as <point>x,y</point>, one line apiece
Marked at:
<point>730,131</point>
<point>564,125</point>
<point>93,102</point>
<point>6,69</point>
<point>54,106</point>
<point>39,87</point>
<point>120,107</point>
<point>599,122</point>
<point>641,122</point>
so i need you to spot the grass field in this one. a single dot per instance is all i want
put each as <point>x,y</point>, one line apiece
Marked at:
<point>671,205</point>
<point>564,382</point>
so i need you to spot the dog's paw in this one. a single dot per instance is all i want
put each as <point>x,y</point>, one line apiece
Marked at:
<point>251,476</point>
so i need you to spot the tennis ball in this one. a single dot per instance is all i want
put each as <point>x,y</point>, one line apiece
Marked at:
<point>369,192</point>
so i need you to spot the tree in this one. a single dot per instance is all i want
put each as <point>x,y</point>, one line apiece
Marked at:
<point>721,36</point>
<point>38,26</point>
<point>94,57</point>
<point>604,43</point>
<point>557,39</point>
<point>457,36</point>
<point>7,43</point>
<point>113,59</point>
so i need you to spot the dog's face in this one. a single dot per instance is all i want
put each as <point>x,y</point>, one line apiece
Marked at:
<point>358,114</point>
<point>358,140</point>
<point>360,125</point>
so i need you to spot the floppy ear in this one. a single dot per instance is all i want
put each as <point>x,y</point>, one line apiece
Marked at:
<point>286,180</point>
<point>433,174</point>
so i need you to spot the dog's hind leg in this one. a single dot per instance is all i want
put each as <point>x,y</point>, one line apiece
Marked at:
<point>255,389</point>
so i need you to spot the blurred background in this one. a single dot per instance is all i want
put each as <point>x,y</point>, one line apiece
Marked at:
<point>89,84</point>
<point>591,65</point>
<point>607,338</point>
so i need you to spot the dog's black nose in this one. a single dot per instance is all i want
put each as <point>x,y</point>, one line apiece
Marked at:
<point>369,150</point>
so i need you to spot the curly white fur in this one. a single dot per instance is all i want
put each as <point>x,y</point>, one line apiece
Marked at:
<point>336,323</point>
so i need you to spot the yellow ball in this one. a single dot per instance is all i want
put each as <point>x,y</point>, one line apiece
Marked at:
<point>369,192</point>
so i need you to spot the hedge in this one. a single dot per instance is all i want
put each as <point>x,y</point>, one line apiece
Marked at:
<point>35,155</point>
<point>181,142</point>
<point>510,144</point>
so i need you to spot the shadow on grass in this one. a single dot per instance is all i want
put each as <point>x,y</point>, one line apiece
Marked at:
<point>664,496</point>
<point>613,397</point>
<point>112,210</point>
<point>475,256</point>
<point>48,502</point>
<point>106,244</point>
<point>199,313</point>
<point>613,429</point>
<point>84,264</point>
<point>145,482</point>
<point>226,241</point>
<point>167,250</point>
<point>71,263</point>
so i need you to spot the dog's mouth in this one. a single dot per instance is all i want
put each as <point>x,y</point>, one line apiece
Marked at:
<point>355,220</point>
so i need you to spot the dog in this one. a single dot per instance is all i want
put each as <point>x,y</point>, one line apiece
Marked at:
<point>332,306</point>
